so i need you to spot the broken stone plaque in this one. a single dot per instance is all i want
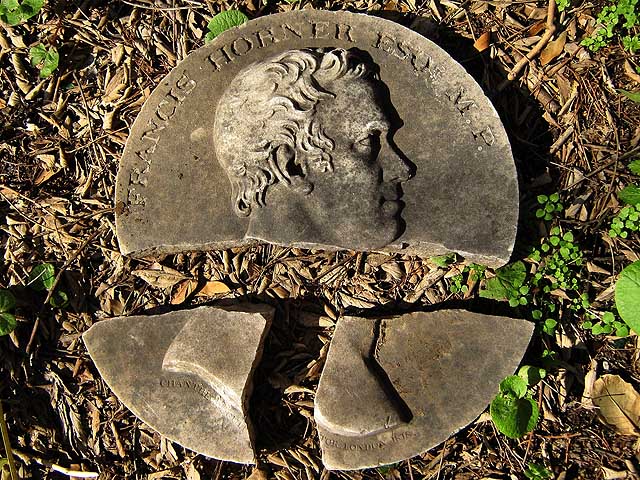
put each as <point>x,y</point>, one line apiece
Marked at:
<point>395,387</point>
<point>319,129</point>
<point>187,374</point>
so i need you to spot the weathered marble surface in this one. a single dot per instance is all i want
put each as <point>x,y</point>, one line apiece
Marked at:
<point>395,387</point>
<point>457,188</point>
<point>187,374</point>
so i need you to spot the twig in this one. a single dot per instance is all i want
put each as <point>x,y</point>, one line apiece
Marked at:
<point>57,468</point>
<point>550,29</point>
<point>7,445</point>
<point>55,284</point>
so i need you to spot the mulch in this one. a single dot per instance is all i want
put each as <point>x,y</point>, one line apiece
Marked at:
<point>61,139</point>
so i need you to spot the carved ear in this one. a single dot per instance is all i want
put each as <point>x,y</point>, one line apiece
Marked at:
<point>283,164</point>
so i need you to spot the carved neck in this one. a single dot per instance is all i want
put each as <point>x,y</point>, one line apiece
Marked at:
<point>287,217</point>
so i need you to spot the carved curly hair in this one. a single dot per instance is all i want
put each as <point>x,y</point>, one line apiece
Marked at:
<point>270,104</point>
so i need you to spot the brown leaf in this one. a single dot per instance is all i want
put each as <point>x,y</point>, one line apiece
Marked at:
<point>183,290</point>
<point>163,277</point>
<point>553,49</point>
<point>630,72</point>
<point>483,42</point>
<point>213,287</point>
<point>619,404</point>
<point>257,474</point>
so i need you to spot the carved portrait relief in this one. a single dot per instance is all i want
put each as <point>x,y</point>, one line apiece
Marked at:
<point>309,133</point>
<point>319,129</point>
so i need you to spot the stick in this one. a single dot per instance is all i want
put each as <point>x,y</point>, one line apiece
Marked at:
<point>7,445</point>
<point>550,29</point>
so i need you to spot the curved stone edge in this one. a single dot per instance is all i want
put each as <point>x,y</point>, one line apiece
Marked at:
<point>420,248</point>
<point>132,339</point>
<point>343,453</point>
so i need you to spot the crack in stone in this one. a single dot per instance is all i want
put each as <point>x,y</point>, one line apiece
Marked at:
<point>373,365</point>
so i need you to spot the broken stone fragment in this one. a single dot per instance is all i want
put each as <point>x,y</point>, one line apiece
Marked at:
<point>187,374</point>
<point>433,374</point>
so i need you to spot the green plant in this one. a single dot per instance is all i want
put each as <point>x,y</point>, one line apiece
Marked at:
<point>457,282</point>
<point>42,278</point>
<point>224,21</point>
<point>610,22</point>
<point>555,258</point>
<point>627,220</point>
<point>606,324</point>
<point>513,411</point>
<point>7,318</point>
<point>628,296</point>
<point>536,471</point>
<point>630,195</point>
<point>508,284</point>
<point>45,60</point>
<point>550,206</point>
<point>14,12</point>
<point>443,261</point>
<point>563,5</point>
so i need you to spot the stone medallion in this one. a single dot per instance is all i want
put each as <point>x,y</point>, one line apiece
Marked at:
<point>319,129</point>
<point>396,387</point>
<point>187,374</point>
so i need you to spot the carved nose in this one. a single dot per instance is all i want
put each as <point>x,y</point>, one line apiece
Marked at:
<point>394,166</point>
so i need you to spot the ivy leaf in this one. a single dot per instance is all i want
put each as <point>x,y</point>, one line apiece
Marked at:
<point>59,299</point>
<point>46,60</point>
<point>31,8</point>
<point>635,166</point>
<point>224,21</point>
<point>514,385</point>
<point>630,195</point>
<point>531,375</point>
<point>443,261</point>
<point>37,54</point>
<point>507,279</point>
<point>42,277</point>
<point>628,296</point>
<point>635,96</point>
<point>514,417</point>
<point>7,301</point>
<point>7,323</point>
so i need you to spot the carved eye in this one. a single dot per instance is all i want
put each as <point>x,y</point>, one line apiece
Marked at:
<point>369,143</point>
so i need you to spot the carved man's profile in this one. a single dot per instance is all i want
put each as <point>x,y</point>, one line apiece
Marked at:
<point>305,138</point>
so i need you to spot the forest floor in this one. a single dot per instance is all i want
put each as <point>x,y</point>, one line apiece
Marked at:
<point>572,132</point>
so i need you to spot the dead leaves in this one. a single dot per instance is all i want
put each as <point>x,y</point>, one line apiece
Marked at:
<point>159,276</point>
<point>553,49</point>
<point>619,404</point>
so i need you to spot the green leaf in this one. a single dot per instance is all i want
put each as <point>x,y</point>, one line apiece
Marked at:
<point>514,417</point>
<point>630,195</point>
<point>37,54</point>
<point>536,471</point>
<point>46,60</point>
<point>7,301</point>
<point>531,375</point>
<point>514,385</point>
<point>31,8</point>
<point>443,261</point>
<point>224,21</point>
<point>7,323</point>
<point>628,296</point>
<point>635,166</point>
<point>635,96</point>
<point>59,299</point>
<point>42,277</point>
<point>507,280</point>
